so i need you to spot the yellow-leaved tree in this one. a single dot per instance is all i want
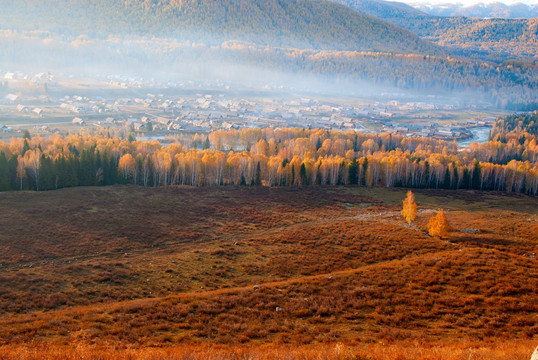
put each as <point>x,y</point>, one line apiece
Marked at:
<point>438,225</point>
<point>127,167</point>
<point>409,210</point>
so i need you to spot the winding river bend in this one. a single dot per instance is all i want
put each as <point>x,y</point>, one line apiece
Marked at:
<point>480,135</point>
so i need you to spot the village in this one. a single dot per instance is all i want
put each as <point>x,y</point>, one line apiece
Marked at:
<point>31,102</point>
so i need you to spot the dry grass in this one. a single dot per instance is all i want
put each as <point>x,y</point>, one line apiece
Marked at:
<point>89,270</point>
<point>404,351</point>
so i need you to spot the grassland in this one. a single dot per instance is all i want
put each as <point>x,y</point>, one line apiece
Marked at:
<point>198,273</point>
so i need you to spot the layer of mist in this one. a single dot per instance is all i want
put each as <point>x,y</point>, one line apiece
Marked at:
<point>166,62</point>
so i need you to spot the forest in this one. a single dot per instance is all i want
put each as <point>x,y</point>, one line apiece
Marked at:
<point>478,37</point>
<point>311,24</point>
<point>278,157</point>
<point>511,85</point>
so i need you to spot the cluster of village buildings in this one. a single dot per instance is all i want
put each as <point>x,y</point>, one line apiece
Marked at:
<point>461,130</point>
<point>199,112</point>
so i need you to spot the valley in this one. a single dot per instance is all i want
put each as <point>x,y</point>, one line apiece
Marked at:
<point>153,110</point>
<point>225,180</point>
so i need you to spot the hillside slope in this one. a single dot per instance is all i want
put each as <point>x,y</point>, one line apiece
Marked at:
<point>505,37</point>
<point>298,23</point>
<point>139,267</point>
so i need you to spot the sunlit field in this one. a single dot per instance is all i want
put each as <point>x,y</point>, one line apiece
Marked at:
<point>247,272</point>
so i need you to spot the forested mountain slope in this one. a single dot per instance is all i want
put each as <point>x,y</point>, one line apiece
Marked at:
<point>298,23</point>
<point>506,37</point>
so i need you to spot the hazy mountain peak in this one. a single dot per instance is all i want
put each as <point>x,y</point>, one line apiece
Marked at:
<point>481,10</point>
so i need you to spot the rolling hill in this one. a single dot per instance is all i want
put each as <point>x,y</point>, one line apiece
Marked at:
<point>181,267</point>
<point>317,24</point>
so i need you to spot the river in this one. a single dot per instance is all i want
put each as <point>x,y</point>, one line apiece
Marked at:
<point>480,135</point>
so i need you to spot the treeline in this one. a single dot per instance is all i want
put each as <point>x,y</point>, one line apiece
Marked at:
<point>521,126</point>
<point>268,157</point>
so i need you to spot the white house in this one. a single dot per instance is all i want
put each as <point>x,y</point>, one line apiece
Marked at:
<point>22,108</point>
<point>13,97</point>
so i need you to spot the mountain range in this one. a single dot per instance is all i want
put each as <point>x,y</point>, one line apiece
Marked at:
<point>505,38</point>
<point>491,10</point>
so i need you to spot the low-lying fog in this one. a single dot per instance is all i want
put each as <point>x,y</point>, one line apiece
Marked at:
<point>233,65</point>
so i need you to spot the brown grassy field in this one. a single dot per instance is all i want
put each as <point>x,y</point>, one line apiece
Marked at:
<point>198,273</point>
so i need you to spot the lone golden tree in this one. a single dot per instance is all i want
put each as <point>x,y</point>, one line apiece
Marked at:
<point>409,210</point>
<point>438,225</point>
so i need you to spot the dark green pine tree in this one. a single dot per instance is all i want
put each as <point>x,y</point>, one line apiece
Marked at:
<point>258,179</point>
<point>456,177</point>
<point>99,176</point>
<point>73,150</point>
<point>66,172</point>
<point>46,173</point>
<point>206,144</point>
<point>4,173</point>
<point>353,172</point>
<point>446,181</point>
<point>341,174</point>
<point>25,147</point>
<point>465,181</point>
<point>73,164</point>
<point>110,169</point>
<point>475,181</point>
<point>60,171</point>
<point>302,175</point>
<point>426,180</point>
<point>87,169</point>
<point>12,165</point>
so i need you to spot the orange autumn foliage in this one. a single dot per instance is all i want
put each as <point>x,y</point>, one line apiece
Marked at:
<point>409,210</point>
<point>438,225</point>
